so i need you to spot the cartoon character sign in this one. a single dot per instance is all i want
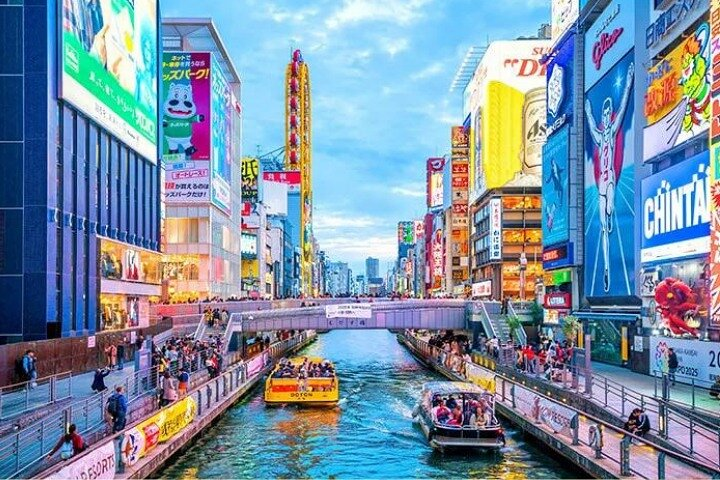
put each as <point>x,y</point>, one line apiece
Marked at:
<point>695,79</point>
<point>179,114</point>
<point>609,183</point>
<point>677,305</point>
<point>555,188</point>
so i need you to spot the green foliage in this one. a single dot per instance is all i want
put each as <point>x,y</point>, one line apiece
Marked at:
<point>513,323</point>
<point>536,313</point>
<point>571,327</point>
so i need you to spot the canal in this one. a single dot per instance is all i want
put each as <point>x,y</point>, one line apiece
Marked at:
<point>370,434</point>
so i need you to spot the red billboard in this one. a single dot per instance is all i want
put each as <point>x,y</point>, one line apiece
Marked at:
<point>291,177</point>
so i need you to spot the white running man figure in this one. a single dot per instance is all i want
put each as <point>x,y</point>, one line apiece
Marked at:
<point>605,137</point>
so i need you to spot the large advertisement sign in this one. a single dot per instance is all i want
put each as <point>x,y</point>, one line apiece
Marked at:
<point>677,102</point>
<point>222,117</point>
<point>555,415</point>
<point>438,259</point>
<point>435,182</point>
<point>609,39</point>
<point>99,464</point>
<point>406,233</point>
<point>563,13</point>
<point>676,215</point>
<point>609,183</point>
<point>699,361</point>
<point>109,67</point>
<point>291,178</point>
<point>560,78</point>
<point>556,188</point>
<point>670,21</point>
<point>186,114</point>
<point>250,169</point>
<point>715,164</point>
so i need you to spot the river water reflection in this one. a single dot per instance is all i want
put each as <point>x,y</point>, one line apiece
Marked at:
<point>370,434</point>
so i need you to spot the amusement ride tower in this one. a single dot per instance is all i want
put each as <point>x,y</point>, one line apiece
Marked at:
<point>298,157</point>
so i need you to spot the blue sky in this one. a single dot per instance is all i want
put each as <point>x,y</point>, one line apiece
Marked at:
<point>380,74</point>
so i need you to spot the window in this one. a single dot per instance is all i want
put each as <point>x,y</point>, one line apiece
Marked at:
<point>181,230</point>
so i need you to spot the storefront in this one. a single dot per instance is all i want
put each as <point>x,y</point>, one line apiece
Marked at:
<point>610,335</point>
<point>557,301</point>
<point>130,280</point>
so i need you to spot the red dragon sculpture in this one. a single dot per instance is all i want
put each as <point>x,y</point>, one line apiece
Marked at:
<point>676,303</point>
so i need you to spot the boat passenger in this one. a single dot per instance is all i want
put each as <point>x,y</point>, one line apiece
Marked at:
<point>441,412</point>
<point>478,418</point>
<point>456,418</point>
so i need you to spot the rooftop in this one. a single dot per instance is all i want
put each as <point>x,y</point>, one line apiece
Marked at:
<point>467,68</point>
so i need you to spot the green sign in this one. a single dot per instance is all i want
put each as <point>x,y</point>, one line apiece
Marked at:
<point>109,67</point>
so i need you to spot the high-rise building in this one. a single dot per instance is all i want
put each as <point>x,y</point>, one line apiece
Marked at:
<point>202,158</point>
<point>80,202</point>
<point>338,279</point>
<point>372,268</point>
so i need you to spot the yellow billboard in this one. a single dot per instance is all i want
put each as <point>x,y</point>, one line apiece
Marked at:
<point>502,134</point>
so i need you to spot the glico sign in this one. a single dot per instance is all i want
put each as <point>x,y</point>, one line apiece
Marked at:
<point>608,39</point>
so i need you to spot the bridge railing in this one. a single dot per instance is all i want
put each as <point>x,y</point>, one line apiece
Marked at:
<point>23,397</point>
<point>616,444</point>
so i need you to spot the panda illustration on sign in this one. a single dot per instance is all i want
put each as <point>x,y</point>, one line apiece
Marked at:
<point>180,112</point>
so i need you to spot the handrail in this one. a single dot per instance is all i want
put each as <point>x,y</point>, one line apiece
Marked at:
<point>521,336</point>
<point>48,386</point>
<point>486,320</point>
<point>695,463</point>
<point>200,329</point>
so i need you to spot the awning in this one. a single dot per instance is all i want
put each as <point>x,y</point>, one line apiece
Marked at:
<point>611,316</point>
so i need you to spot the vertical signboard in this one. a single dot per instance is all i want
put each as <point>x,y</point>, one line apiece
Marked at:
<point>185,114</point>
<point>250,169</point>
<point>677,100</point>
<point>563,14</point>
<point>715,164</point>
<point>669,19</point>
<point>495,229</point>
<point>560,78</point>
<point>460,187</point>
<point>556,188</point>
<point>222,116</point>
<point>109,67</point>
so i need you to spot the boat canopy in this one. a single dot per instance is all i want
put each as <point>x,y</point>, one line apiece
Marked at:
<point>449,388</point>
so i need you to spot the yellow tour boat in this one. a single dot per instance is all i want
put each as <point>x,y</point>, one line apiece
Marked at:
<point>308,381</point>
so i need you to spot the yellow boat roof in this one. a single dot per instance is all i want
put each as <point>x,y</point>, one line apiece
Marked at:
<point>310,359</point>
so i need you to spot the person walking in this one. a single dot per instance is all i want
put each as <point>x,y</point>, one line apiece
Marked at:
<point>69,444</point>
<point>183,381</point>
<point>117,409</point>
<point>98,384</point>
<point>169,390</point>
<point>120,350</point>
<point>672,365</point>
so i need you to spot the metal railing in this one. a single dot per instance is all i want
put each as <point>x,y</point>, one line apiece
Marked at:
<point>520,334</point>
<point>615,446</point>
<point>19,398</point>
<point>697,388</point>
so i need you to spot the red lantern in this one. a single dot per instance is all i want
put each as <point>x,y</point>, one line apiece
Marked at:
<point>293,139</point>
<point>297,56</point>
<point>294,85</point>
<point>295,66</point>
<point>293,121</point>
<point>293,103</point>
<point>293,157</point>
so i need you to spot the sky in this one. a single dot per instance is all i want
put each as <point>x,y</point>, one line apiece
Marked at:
<point>380,74</point>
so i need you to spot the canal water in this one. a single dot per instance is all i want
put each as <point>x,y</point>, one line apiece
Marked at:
<point>370,434</point>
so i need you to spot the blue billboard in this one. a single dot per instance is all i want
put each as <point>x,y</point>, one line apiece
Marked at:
<point>221,138</point>
<point>675,211</point>
<point>555,187</point>
<point>608,39</point>
<point>610,183</point>
<point>560,77</point>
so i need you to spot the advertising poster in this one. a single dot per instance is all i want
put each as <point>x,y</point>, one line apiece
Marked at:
<point>669,19</point>
<point>438,259</point>
<point>495,229</point>
<point>249,171</point>
<point>482,377</point>
<point>563,14</point>
<point>185,114</point>
<point>99,464</point>
<point>609,183</point>
<point>222,117</point>
<point>699,361</point>
<point>676,215</point>
<point>677,100</point>
<point>406,233</point>
<point>350,310</point>
<point>556,188</point>
<point>608,39</point>
<point>560,77</point>
<point>109,67</point>
<point>554,415</point>
<point>291,178</point>
<point>478,181</point>
<point>715,168</point>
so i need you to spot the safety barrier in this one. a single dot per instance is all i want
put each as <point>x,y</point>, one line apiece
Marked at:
<point>604,440</point>
<point>22,397</point>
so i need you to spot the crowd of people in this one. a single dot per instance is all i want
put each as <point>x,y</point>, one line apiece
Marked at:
<point>305,370</point>
<point>464,410</point>
<point>546,357</point>
<point>453,350</point>
<point>216,318</point>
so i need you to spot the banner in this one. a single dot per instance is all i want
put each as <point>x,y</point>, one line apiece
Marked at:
<point>608,39</point>
<point>540,409</point>
<point>186,126</point>
<point>669,19</point>
<point>434,181</point>
<point>495,229</point>
<point>677,100</point>
<point>256,364</point>
<point>676,214</point>
<point>250,170</point>
<point>697,360</point>
<point>560,86</point>
<point>556,188</point>
<point>98,464</point>
<point>176,417</point>
<point>109,67</point>
<point>479,376</point>
<point>351,310</point>
<point>610,183</point>
<point>291,178</point>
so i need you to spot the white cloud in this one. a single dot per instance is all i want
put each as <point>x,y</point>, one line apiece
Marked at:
<point>393,46</point>
<point>284,15</point>
<point>417,192</point>
<point>399,12</point>
<point>435,68</point>
<point>334,221</point>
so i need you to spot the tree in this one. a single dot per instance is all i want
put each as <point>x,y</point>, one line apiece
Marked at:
<point>514,324</point>
<point>571,327</point>
<point>536,313</point>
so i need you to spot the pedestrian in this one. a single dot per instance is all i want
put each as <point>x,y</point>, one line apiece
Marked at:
<point>98,384</point>
<point>139,340</point>
<point>121,354</point>
<point>169,390</point>
<point>504,306</point>
<point>27,368</point>
<point>117,409</point>
<point>69,444</point>
<point>715,388</point>
<point>183,381</point>
<point>672,364</point>
<point>111,354</point>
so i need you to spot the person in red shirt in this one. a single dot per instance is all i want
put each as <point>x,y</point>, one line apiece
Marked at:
<point>71,439</point>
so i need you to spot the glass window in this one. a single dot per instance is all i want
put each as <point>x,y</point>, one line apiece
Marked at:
<point>11,104</point>
<point>11,35</point>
